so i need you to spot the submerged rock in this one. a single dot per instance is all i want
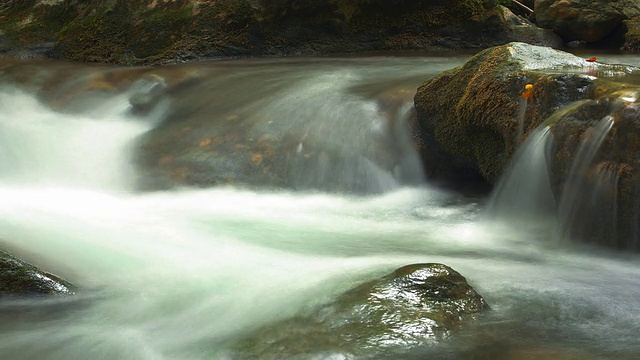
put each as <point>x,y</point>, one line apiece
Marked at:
<point>296,136</point>
<point>17,278</point>
<point>416,305</point>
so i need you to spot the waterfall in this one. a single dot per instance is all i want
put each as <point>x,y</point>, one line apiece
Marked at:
<point>587,207</point>
<point>522,111</point>
<point>524,190</point>
<point>39,146</point>
<point>582,194</point>
<point>337,135</point>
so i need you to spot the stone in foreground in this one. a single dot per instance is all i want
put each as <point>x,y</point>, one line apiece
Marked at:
<point>416,305</point>
<point>17,278</point>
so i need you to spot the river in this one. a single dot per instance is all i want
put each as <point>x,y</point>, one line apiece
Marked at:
<point>182,273</point>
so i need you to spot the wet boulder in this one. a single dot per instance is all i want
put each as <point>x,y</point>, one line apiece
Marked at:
<point>594,168</point>
<point>471,119</point>
<point>416,305</point>
<point>17,278</point>
<point>590,20</point>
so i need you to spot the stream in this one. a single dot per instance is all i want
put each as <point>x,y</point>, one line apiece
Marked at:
<point>184,272</point>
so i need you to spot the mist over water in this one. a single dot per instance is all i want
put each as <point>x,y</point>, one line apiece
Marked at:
<point>182,274</point>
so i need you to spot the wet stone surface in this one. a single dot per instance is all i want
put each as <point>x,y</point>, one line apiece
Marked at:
<point>17,278</point>
<point>416,305</point>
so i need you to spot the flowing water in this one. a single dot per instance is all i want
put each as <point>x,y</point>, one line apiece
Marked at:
<point>183,273</point>
<point>570,212</point>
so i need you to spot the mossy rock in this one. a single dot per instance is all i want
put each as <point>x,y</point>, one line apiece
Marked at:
<point>414,306</point>
<point>160,32</point>
<point>632,35</point>
<point>30,28</point>
<point>599,197</point>
<point>586,20</point>
<point>17,278</point>
<point>470,119</point>
<point>473,118</point>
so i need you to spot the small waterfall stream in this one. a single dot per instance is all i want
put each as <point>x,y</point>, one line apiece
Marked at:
<point>580,198</point>
<point>524,190</point>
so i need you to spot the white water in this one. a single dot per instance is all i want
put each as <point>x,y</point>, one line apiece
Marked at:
<point>524,191</point>
<point>574,190</point>
<point>182,274</point>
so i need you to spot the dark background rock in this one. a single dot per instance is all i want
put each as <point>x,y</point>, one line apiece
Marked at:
<point>157,32</point>
<point>588,20</point>
<point>632,35</point>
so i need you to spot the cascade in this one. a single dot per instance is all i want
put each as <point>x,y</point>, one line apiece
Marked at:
<point>584,194</point>
<point>225,260</point>
<point>524,190</point>
<point>38,146</point>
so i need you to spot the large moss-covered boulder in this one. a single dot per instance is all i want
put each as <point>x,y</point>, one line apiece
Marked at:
<point>17,278</point>
<point>414,306</point>
<point>156,32</point>
<point>471,119</point>
<point>588,20</point>
<point>468,123</point>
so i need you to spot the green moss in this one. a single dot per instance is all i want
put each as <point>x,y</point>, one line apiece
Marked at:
<point>159,28</point>
<point>146,31</point>
<point>99,36</point>
<point>632,37</point>
<point>27,24</point>
<point>484,96</point>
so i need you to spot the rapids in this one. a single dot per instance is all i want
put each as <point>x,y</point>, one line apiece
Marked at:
<point>183,273</point>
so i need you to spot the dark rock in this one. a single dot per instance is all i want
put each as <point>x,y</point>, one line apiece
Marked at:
<point>524,30</point>
<point>414,306</point>
<point>467,118</point>
<point>474,117</point>
<point>597,181</point>
<point>589,20</point>
<point>632,35</point>
<point>159,32</point>
<point>17,278</point>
